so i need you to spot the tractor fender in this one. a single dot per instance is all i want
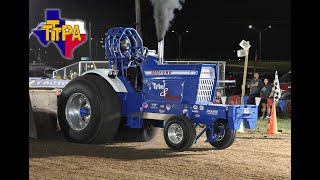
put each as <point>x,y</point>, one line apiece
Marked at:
<point>115,82</point>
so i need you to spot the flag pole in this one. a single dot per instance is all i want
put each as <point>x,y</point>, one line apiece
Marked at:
<point>255,62</point>
<point>244,52</point>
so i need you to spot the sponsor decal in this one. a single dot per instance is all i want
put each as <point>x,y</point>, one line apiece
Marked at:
<point>195,107</point>
<point>154,105</point>
<point>201,108</point>
<point>197,115</point>
<point>168,107</point>
<point>161,111</point>
<point>161,106</point>
<point>159,72</point>
<point>145,105</point>
<point>195,111</point>
<point>212,112</point>
<point>176,106</point>
<point>164,93</point>
<point>171,72</point>
<point>49,83</point>
<point>207,72</point>
<point>172,98</point>
<point>158,86</point>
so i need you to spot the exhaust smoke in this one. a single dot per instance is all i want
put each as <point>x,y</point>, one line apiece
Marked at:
<point>163,14</point>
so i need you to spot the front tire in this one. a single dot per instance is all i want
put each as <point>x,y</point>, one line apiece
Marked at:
<point>89,110</point>
<point>226,139</point>
<point>179,133</point>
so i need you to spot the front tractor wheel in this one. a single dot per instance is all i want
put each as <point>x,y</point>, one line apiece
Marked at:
<point>225,136</point>
<point>179,133</point>
<point>89,110</point>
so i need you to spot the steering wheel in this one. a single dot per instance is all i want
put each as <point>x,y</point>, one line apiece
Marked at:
<point>141,55</point>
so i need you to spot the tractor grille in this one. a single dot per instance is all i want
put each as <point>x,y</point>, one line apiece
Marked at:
<point>205,90</point>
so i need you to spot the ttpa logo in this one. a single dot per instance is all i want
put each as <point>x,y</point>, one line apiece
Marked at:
<point>66,34</point>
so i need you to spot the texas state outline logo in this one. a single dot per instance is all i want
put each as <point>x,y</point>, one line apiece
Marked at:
<point>66,34</point>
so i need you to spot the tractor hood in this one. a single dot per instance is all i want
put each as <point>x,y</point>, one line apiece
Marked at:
<point>180,83</point>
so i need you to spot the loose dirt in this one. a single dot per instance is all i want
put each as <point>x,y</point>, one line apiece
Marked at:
<point>254,155</point>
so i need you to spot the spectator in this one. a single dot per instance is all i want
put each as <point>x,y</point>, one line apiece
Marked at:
<point>265,93</point>
<point>255,88</point>
<point>217,100</point>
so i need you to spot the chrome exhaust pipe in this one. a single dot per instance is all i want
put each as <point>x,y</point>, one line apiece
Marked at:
<point>161,51</point>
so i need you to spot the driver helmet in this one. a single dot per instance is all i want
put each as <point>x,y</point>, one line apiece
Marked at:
<point>124,44</point>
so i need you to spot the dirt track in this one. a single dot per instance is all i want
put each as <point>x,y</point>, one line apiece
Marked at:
<point>252,156</point>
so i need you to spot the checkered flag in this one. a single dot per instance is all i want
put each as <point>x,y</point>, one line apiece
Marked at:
<point>276,89</point>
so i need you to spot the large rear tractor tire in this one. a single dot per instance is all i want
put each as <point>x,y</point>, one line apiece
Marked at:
<point>179,133</point>
<point>32,124</point>
<point>226,139</point>
<point>89,110</point>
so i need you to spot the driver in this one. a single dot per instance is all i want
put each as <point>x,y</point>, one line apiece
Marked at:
<point>124,47</point>
<point>125,51</point>
<point>130,58</point>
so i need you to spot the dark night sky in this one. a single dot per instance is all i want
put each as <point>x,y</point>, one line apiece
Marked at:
<point>215,27</point>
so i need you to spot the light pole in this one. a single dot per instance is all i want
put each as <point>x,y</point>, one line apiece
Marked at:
<point>260,31</point>
<point>45,55</point>
<point>90,56</point>
<point>35,54</point>
<point>96,47</point>
<point>39,55</point>
<point>90,51</point>
<point>179,36</point>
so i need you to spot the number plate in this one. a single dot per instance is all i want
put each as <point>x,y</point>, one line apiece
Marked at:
<point>246,111</point>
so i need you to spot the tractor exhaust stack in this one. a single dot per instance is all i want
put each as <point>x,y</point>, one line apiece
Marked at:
<point>161,50</point>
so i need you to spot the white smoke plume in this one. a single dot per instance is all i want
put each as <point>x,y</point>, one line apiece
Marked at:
<point>163,14</point>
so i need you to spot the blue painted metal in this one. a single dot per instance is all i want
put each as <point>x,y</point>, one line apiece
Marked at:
<point>173,89</point>
<point>112,46</point>
<point>157,76</point>
<point>246,113</point>
<point>135,122</point>
<point>281,104</point>
<point>131,101</point>
<point>200,134</point>
<point>84,111</point>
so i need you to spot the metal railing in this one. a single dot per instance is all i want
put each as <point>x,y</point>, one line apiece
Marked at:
<point>73,70</point>
<point>79,68</point>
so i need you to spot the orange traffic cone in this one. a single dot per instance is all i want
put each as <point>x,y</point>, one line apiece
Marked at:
<point>272,126</point>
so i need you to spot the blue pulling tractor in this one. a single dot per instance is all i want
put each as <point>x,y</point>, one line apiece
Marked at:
<point>138,94</point>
